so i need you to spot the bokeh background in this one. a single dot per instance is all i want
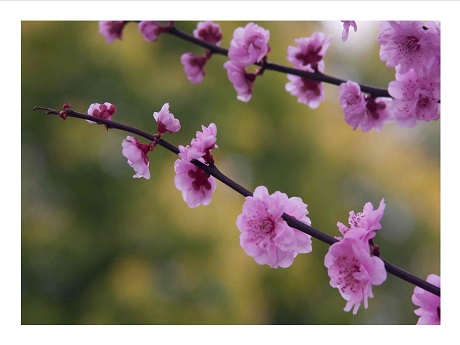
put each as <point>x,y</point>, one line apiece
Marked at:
<point>99,247</point>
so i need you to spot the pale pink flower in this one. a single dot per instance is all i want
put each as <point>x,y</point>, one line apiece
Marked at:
<point>308,91</point>
<point>209,32</point>
<point>242,81</point>
<point>111,30</point>
<point>363,225</point>
<point>150,30</point>
<point>166,121</point>
<point>265,235</point>
<point>346,28</point>
<point>416,97</point>
<point>363,111</point>
<point>353,271</point>
<point>195,184</point>
<point>310,52</point>
<point>249,44</point>
<point>193,67</point>
<point>137,156</point>
<point>206,139</point>
<point>189,153</point>
<point>430,304</point>
<point>103,111</point>
<point>408,44</point>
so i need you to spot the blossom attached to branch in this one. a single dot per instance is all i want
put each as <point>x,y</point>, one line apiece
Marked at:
<point>242,81</point>
<point>265,235</point>
<point>150,30</point>
<point>249,44</point>
<point>137,156</point>
<point>430,304</point>
<point>111,30</point>
<point>103,111</point>
<point>166,121</point>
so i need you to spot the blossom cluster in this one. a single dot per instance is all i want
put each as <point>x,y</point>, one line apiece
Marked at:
<point>429,304</point>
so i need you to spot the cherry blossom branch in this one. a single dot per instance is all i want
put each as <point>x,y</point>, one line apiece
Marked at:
<point>318,76</point>
<point>214,171</point>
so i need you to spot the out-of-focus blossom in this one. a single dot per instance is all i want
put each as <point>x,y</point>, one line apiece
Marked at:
<point>346,28</point>
<point>249,44</point>
<point>309,52</point>
<point>265,235</point>
<point>209,32</point>
<point>137,156</point>
<point>353,271</point>
<point>150,30</point>
<point>193,67</point>
<point>430,304</point>
<point>103,111</point>
<point>166,121</point>
<point>308,91</point>
<point>111,30</point>
<point>242,81</point>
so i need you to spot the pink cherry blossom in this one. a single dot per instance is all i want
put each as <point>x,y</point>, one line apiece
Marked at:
<point>206,139</point>
<point>195,184</point>
<point>310,52</point>
<point>193,67</point>
<point>308,91</point>
<point>430,304</point>
<point>209,32</point>
<point>249,44</point>
<point>242,81</point>
<point>416,97</point>
<point>346,28</point>
<point>363,111</point>
<point>150,30</point>
<point>353,271</point>
<point>409,45</point>
<point>111,30</point>
<point>137,156</point>
<point>166,121</point>
<point>363,225</point>
<point>265,235</point>
<point>104,111</point>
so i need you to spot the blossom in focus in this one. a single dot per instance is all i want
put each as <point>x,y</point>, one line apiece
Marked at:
<point>249,44</point>
<point>193,67</point>
<point>137,156</point>
<point>195,184</point>
<point>416,97</point>
<point>104,111</point>
<point>111,30</point>
<point>265,235</point>
<point>309,52</point>
<point>353,271</point>
<point>209,32</point>
<point>166,120</point>
<point>409,44</point>
<point>346,28</point>
<point>361,111</point>
<point>430,304</point>
<point>308,91</point>
<point>206,139</point>
<point>363,225</point>
<point>150,30</point>
<point>242,81</point>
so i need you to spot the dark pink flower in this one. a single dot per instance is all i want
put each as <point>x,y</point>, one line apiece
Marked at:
<point>150,30</point>
<point>195,184</point>
<point>209,32</point>
<point>430,304</point>
<point>265,235</point>
<point>353,271</point>
<point>166,121</point>
<point>242,81</point>
<point>111,30</point>
<point>308,91</point>
<point>193,67</point>
<point>137,156</point>
<point>346,28</point>
<point>104,111</point>
<point>249,44</point>
<point>309,52</point>
<point>363,111</point>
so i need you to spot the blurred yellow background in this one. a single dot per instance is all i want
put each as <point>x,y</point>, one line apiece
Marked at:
<point>99,247</point>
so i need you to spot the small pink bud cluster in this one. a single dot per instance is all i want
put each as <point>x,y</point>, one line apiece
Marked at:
<point>265,235</point>
<point>429,304</point>
<point>346,28</point>
<point>103,111</point>
<point>308,56</point>
<point>413,48</point>
<point>248,46</point>
<point>113,30</point>
<point>351,267</point>
<point>136,152</point>
<point>194,64</point>
<point>195,184</point>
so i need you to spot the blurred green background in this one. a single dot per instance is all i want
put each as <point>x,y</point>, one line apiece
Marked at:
<point>99,247</point>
